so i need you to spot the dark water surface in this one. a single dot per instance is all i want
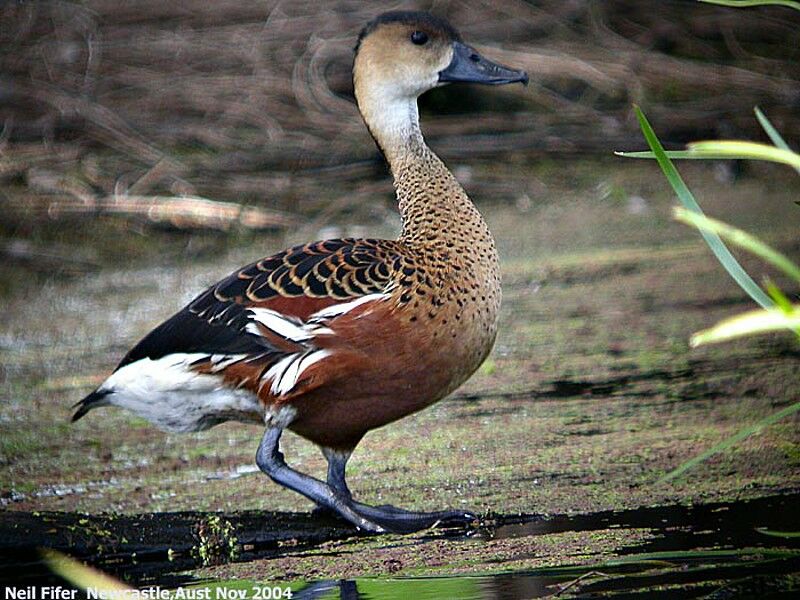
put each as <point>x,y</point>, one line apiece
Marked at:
<point>726,550</point>
<point>748,548</point>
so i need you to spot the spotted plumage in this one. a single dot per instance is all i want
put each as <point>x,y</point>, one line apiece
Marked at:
<point>334,338</point>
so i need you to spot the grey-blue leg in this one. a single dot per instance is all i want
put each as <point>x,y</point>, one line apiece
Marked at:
<point>270,460</point>
<point>387,516</point>
<point>337,462</point>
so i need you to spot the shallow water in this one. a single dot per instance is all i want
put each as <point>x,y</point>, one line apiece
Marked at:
<point>749,545</point>
<point>725,550</point>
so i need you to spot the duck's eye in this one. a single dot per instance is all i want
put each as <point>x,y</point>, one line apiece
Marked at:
<point>419,38</point>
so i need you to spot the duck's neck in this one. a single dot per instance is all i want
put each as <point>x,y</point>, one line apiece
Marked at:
<point>435,209</point>
<point>433,206</point>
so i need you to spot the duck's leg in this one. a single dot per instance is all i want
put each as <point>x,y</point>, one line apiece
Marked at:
<point>270,460</point>
<point>389,517</point>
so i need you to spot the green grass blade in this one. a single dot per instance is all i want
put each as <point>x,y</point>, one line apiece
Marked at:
<point>684,154</point>
<point>773,134</point>
<point>732,149</point>
<point>749,3</point>
<point>781,300</point>
<point>727,443</point>
<point>739,238</point>
<point>762,320</point>
<point>780,534</point>
<point>687,199</point>
<point>727,150</point>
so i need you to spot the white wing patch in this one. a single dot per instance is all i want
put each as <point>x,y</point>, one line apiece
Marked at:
<point>288,328</point>
<point>337,310</point>
<point>220,362</point>
<point>283,376</point>
<point>285,373</point>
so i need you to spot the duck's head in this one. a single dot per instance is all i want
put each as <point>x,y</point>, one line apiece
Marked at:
<point>401,55</point>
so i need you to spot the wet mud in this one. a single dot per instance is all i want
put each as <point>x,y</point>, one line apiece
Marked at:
<point>735,546</point>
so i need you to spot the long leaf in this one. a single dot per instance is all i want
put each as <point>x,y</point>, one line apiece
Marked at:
<point>739,238</point>
<point>770,130</point>
<point>781,300</point>
<point>687,199</point>
<point>682,154</point>
<point>728,442</point>
<point>727,150</point>
<point>733,149</point>
<point>780,534</point>
<point>749,3</point>
<point>763,320</point>
<point>773,134</point>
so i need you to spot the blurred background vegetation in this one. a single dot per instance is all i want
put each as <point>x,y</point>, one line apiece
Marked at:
<point>141,109</point>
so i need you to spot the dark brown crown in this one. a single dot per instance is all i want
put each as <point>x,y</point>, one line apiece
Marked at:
<point>419,20</point>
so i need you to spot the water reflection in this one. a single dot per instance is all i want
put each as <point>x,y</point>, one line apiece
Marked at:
<point>736,547</point>
<point>695,549</point>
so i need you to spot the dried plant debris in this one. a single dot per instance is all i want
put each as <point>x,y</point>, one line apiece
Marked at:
<point>253,102</point>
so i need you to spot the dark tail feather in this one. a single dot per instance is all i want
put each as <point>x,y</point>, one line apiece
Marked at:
<point>93,400</point>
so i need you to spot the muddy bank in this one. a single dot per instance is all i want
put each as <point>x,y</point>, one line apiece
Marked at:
<point>686,546</point>
<point>154,547</point>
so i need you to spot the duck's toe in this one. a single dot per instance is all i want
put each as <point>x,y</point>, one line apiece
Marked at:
<point>399,520</point>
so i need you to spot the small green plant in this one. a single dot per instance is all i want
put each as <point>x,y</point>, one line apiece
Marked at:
<point>777,312</point>
<point>217,543</point>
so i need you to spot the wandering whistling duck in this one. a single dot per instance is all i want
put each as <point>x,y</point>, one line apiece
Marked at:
<point>334,338</point>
